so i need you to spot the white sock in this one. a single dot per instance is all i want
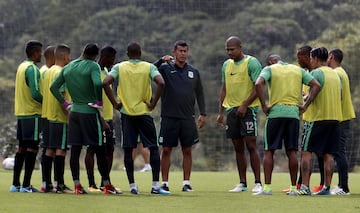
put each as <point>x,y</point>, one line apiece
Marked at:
<point>165,183</point>
<point>186,182</point>
<point>133,186</point>
<point>156,184</point>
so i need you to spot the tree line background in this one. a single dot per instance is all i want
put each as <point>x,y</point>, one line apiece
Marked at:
<point>264,26</point>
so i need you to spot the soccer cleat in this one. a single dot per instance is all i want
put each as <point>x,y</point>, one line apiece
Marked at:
<point>48,188</point>
<point>257,188</point>
<point>146,168</point>
<point>324,191</point>
<point>14,188</point>
<point>239,188</point>
<point>338,191</point>
<point>165,187</point>
<point>304,191</point>
<point>79,190</point>
<point>286,190</point>
<point>63,189</point>
<point>292,193</point>
<point>134,191</point>
<point>159,191</point>
<point>29,189</point>
<point>262,192</point>
<point>187,188</point>
<point>317,188</point>
<point>97,104</point>
<point>110,189</point>
<point>93,188</point>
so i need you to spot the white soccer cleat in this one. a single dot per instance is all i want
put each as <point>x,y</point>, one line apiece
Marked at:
<point>239,188</point>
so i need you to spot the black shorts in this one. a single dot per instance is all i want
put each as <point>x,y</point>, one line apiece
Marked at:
<point>278,130</point>
<point>28,132</point>
<point>173,129</point>
<point>109,137</point>
<point>85,129</point>
<point>45,133</point>
<point>133,126</point>
<point>321,137</point>
<point>238,127</point>
<point>57,136</point>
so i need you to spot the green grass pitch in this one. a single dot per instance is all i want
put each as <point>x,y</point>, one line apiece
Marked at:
<point>211,195</point>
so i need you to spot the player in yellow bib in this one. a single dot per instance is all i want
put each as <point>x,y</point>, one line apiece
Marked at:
<point>238,98</point>
<point>348,113</point>
<point>282,123</point>
<point>28,101</point>
<point>321,126</point>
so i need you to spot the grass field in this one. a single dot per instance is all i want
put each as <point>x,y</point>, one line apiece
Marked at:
<point>211,195</point>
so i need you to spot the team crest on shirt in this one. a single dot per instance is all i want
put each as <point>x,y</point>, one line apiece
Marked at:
<point>190,74</point>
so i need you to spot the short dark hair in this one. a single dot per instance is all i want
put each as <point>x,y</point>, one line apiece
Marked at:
<point>91,50</point>
<point>305,50</point>
<point>32,47</point>
<point>134,49</point>
<point>61,49</point>
<point>272,58</point>
<point>108,51</point>
<point>320,53</point>
<point>338,54</point>
<point>181,43</point>
<point>49,51</point>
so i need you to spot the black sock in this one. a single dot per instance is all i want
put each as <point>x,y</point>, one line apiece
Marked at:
<point>102,163</point>
<point>30,159</point>
<point>321,170</point>
<point>155,163</point>
<point>74,162</point>
<point>129,164</point>
<point>89,165</point>
<point>18,164</point>
<point>245,185</point>
<point>59,167</point>
<point>48,161</point>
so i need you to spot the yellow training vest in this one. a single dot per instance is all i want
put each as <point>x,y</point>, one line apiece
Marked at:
<point>238,84</point>
<point>346,103</point>
<point>327,104</point>
<point>108,112</point>
<point>134,87</point>
<point>25,105</point>
<point>286,84</point>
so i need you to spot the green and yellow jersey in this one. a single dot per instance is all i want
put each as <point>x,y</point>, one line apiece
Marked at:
<point>327,104</point>
<point>347,108</point>
<point>27,90</point>
<point>134,89</point>
<point>285,88</point>
<point>239,78</point>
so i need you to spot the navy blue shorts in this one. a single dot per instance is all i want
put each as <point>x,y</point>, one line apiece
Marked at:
<point>278,130</point>
<point>28,132</point>
<point>85,129</point>
<point>57,136</point>
<point>133,126</point>
<point>109,137</point>
<point>321,137</point>
<point>238,127</point>
<point>174,130</point>
<point>45,132</point>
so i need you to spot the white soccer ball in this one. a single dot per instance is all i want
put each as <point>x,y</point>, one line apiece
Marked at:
<point>8,163</point>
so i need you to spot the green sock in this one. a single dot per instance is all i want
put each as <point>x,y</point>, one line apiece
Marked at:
<point>267,187</point>
<point>292,188</point>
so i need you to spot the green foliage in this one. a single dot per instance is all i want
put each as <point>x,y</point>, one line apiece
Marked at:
<point>264,26</point>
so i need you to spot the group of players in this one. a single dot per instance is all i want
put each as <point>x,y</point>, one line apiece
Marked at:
<point>324,104</point>
<point>72,102</point>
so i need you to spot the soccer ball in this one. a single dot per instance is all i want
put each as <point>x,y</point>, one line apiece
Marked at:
<point>8,163</point>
